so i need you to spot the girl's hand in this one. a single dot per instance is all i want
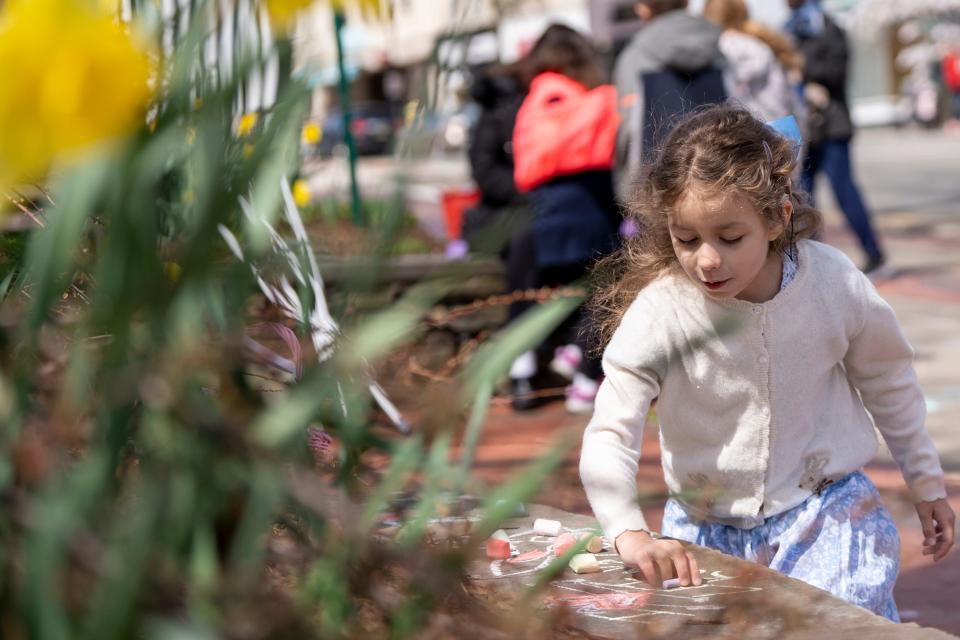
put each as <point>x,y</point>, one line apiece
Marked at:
<point>937,520</point>
<point>657,559</point>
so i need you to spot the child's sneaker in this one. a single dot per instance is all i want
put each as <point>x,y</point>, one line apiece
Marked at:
<point>566,361</point>
<point>581,394</point>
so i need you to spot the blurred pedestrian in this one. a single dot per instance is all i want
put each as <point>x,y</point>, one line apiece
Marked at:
<point>499,91</point>
<point>563,145</point>
<point>502,220</point>
<point>950,69</point>
<point>757,79</point>
<point>824,48</point>
<point>676,58</point>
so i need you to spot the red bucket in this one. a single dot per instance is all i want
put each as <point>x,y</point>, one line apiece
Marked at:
<point>455,202</point>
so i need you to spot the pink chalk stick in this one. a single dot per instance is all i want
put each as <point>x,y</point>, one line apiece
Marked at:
<point>529,556</point>
<point>498,549</point>
<point>564,543</point>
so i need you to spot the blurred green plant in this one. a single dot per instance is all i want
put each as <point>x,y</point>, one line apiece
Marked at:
<point>151,489</point>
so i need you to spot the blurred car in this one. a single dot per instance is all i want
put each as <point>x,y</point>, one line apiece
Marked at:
<point>373,125</point>
<point>438,133</point>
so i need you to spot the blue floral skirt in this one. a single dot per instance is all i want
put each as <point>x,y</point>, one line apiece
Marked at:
<point>843,541</point>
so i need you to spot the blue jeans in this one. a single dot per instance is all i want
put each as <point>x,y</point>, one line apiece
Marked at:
<point>833,158</point>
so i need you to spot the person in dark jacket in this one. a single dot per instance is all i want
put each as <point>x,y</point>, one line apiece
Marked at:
<point>823,45</point>
<point>671,40</point>
<point>502,221</point>
<point>498,91</point>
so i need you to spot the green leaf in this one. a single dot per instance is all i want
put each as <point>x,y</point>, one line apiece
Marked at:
<point>281,139</point>
<point>502,503</point>
<point>265,497</point>
<point>52,251</point>
<point>478,415</point>
<point>437,470</point>
<point>382,331</point>
<point>405,458</point>
<point>493,360</point>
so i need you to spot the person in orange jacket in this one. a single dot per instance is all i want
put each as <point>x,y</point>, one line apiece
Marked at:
<point>563,146</point>
<point>950,67</point>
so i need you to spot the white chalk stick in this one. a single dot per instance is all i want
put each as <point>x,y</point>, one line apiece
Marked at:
<point>584,563</point>
<point>500,534</point>
<point>545,527</point>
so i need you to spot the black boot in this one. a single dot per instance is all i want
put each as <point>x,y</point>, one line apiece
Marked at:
<point>523,398</point>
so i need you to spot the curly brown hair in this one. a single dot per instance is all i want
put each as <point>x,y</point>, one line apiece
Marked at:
<point>714,150</point>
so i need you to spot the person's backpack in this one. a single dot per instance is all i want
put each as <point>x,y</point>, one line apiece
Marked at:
<point>669,95</point>
<point>563,128</point>
<point>951,71</point>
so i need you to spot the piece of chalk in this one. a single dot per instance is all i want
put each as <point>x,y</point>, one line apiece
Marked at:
<point>564,542</point>
<point>498,549</point>
<point>595,545</point>
<point>584,563</point>
<point>672,583</point>
<point>545,527</point>
<point>500,534</point>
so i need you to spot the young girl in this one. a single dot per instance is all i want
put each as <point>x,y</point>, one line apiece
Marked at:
<point>769,353</point>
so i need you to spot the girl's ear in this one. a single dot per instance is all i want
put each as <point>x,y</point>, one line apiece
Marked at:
<point>777,228</point>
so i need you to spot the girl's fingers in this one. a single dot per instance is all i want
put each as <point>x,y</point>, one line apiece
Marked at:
<point>681,566</point>
<point>665,567</point>
<point>694,570</point>
<point>946,532</point>
<point>931,541</point>
<point>929,529</point>
<point>650,573</point>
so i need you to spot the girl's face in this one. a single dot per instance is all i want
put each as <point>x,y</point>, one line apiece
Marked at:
<point>722,242</point>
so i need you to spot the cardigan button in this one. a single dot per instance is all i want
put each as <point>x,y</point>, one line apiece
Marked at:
<point>763,359</point>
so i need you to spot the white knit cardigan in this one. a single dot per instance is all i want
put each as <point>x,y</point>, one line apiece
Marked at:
<point>760,405</point>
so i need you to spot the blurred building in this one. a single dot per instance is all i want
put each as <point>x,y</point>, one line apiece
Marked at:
<point>395,58</point>
<point>426,47</point>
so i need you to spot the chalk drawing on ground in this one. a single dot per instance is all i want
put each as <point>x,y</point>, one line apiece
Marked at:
<point>613,594</point>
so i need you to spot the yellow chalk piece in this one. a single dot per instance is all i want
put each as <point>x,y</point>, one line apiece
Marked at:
<point>584,563</point>
<point>595,545</point>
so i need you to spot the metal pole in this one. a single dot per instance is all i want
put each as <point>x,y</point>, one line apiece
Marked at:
<point>338,22</point>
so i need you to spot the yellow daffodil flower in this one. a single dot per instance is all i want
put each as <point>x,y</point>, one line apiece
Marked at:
<point>301,193</point>
<point>72,77</point>
<point>311,133</point>
<point>247,122</point>
<point>173,270</point>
